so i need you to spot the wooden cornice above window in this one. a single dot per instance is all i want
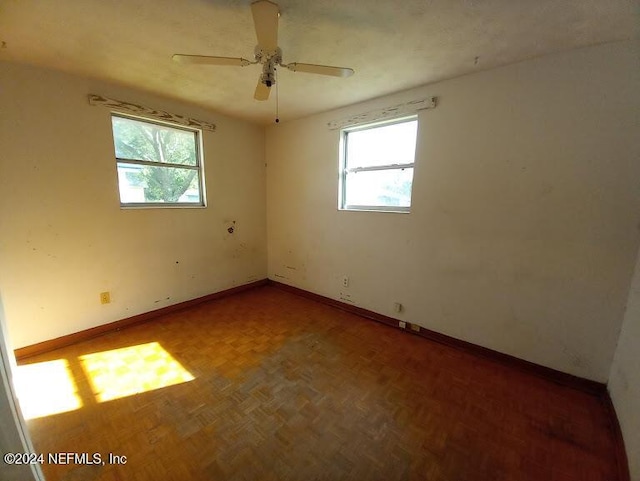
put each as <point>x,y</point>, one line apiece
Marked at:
<point>128,107</point>
<point>388,113</point>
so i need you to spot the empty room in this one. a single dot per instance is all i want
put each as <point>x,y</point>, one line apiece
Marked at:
<point>320,240</point>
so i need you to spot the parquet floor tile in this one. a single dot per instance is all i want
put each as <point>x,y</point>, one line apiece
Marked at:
<point>285,388</point>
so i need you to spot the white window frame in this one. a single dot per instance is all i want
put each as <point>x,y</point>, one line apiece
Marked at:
<point>344,169</point>
<point>199,167</point>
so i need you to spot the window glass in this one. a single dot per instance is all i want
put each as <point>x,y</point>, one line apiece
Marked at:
<point>377,166</point>
<point>386,145</point>
<point>380,188</point>
<point>157,164</point>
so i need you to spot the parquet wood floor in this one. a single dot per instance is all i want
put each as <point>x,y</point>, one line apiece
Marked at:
<point>286,388</point>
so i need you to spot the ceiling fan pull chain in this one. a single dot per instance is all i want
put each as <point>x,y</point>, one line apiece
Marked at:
<point>275,73</point>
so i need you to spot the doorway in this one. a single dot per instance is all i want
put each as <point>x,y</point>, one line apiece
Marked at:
<point>14,436</point>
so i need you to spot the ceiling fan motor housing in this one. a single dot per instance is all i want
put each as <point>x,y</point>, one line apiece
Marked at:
<point>269,60</point>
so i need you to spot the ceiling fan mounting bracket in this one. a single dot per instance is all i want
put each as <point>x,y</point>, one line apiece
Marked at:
<point>266,56</point>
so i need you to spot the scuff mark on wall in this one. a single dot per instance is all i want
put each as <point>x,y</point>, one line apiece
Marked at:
<point>346,297</point>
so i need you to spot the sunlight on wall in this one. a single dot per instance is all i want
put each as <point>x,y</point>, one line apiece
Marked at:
<point>131,370</point>
<point>45,388</point>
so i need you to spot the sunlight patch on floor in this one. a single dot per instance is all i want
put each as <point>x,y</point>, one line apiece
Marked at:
<point>46,388</point>
<point>131,370</point>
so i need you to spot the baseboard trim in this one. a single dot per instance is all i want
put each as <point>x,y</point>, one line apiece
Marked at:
<point>558,377</point>
<point>50,345</point>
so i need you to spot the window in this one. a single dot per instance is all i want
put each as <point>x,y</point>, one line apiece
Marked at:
<point>158,164</point>
<point>377,166</point>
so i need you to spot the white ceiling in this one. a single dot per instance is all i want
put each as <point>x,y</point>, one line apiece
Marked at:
<point>392,45</point>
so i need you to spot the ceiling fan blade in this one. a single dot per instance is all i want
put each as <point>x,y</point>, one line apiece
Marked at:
<point>262,91</point>
<point>265,19</point>
<point>320,69</point>
<point>207,60</point>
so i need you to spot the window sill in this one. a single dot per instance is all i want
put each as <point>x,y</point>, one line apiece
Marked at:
<point>161,206</point>
<point>386,210</point>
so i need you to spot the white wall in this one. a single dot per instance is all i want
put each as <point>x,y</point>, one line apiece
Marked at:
<point>64,238</point>
<point>524,224</point>
<point>624,381</point>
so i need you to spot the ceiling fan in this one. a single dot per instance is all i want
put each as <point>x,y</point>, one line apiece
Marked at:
<point>267,53</point>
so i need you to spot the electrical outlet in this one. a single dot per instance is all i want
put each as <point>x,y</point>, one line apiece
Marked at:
<point>397,307</point>
<point>105,297</point>
<point>402,324</point>
<point>345,281</point>
<point>415,328</point>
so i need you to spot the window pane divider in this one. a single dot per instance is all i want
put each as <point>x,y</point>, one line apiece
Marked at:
<point>156,163</point>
